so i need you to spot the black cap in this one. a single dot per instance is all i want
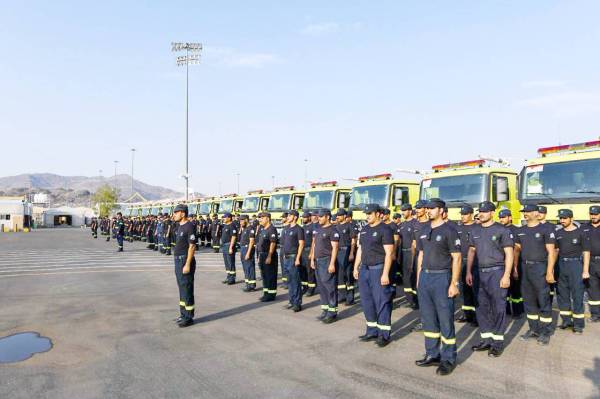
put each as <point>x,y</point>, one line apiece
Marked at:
<point>504,213</point>
<point>487,206</point>
<point>420,204</point>
<point>181,208</point>
<point>397,216</point>
<point>227,215</point>
<point>435,203</point>
<point>466,210</point>
<point>386,211</point>
<point>529,208</point>
<point>542,209</point>
<point>595,210</point>
<point>264,214</point>
<point>244,217</point>
<point>306,214</point>
<point>565,213</point>
<point>285,214</point>
<point>324,212</point>
<point>406,207</point>
<point>370,208</point>
<point>294,212</point>
<point>341,212</point>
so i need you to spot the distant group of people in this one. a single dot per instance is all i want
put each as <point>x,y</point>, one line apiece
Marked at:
<point>497,268</point>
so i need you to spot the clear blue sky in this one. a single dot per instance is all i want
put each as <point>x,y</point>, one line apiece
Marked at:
<point>357,87</point>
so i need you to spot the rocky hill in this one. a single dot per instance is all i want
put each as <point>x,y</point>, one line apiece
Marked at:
<point>77,190</point>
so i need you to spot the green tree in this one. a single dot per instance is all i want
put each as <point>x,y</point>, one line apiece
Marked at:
<point>106,197</point>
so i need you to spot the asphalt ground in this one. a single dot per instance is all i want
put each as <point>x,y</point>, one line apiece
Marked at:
<point>110,315</point>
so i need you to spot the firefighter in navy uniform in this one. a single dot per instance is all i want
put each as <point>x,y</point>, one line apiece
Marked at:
<point>229,234</point>
<point>372,270</point>
<point>354,231</point>
<point>282,265</point>
<point>542,214</point>
<point>345,276</point>
<point>593,233</point>
<point>406,256</point>
<point>292,246</point>
<point>386,219</point>
<point>247,245</point>
<point>438,279</point>
<point>535,244</point>
<point>266,248</point>
<point>167,234</point>
<point>311,280</point>
<point>323,260</point>
<point>215,233</point>
<point>94,227</point>
<point>185,265</point>
<point>493,246</point>
<point>514,303</point>
<point>469,292</point>
<point>421,222</point>
<point>119,231</point>
<point>574,262</point>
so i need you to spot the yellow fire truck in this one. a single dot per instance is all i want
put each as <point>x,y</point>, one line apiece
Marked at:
<point>382,190</point>
<point>564,176</point>
<point>230,203</point>
<point>472,182</point>
<point>255,202</point>
<point>284,199</point>
<point>326,195</point>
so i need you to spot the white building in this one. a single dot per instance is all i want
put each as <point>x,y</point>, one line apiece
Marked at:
<point>67,216</point>
<point>15,213</point>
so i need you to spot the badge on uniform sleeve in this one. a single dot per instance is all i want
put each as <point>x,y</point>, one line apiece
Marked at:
<point>374,234</point>
<point>439,238</point>
<point>457,242</point>
<point>551,235</point>
<point>234,231</point>
<point>192,237</point>
<point>336,235</point>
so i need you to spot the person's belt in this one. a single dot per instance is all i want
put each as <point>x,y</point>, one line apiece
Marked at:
<point>596,257</point>
<point>570,259</point>
<point>245,245</point>
<point>180,256</point>
<point>226,243</point>
<point>374,267</point>
<point>533,262</point>
<point>436,271</point>
<point>340,248</point>
<point>324,257</point>
<point>289,255</point>
<point>406,249</point>
<point>490,269</point>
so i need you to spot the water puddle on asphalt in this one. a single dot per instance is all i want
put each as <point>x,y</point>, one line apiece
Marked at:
<point>22,346</point>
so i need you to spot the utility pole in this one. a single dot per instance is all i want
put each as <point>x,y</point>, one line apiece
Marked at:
<point>132,154</point>
<point>186,60</point>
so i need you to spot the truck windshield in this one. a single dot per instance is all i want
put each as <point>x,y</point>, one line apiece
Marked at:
<point>455,190</point>
<point>145,211</point>
<point>250,204</point>
<point>364,195</point>
<point>155,211</point>
<point>226,206</point>
<point>279,202</point>
<point>191,209</point>
<point>561,181</point>
<point>319,199</point>
<point>204,209</point>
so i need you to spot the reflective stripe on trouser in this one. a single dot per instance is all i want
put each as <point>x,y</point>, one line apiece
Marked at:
<point>536,297</point>
<point>310,272</point>
<point>376,301</point>
<point>185,282</point>
<point>469,293</point>
<point>345,275</point>
<point>491,312</point>
<point>594,287</point>
<point>570,292</point>
<point>284,272</point>
<point>120,241</point>
<point>229,260</point>
<point>514,304</point>
<point>269,273</point>
<point>437,315</point>
<point>249,267</point>
<point>294,283</point>
<point>327,286</point>
<point>408,276</point>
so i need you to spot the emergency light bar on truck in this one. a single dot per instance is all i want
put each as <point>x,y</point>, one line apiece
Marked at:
<point>255,192</point>
<point>587,146</point>
<point>459,165</point>
<point>284,188</point>
<point>383,176</point>
<point>229,195</point>
<point>332,183</point>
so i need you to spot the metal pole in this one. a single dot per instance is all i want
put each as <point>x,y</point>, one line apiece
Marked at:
<point>187,74</point>
<point>132,155</point>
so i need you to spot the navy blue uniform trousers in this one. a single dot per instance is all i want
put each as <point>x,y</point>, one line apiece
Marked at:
<point>376,301</point>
